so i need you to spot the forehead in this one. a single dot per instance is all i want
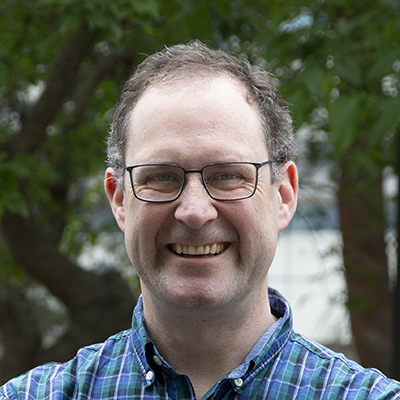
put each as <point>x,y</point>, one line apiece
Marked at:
<point>205,114</point>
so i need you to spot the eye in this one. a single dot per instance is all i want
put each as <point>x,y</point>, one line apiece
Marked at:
<point>226,177</point>
<point>225,180</point>
<point>163,177</point>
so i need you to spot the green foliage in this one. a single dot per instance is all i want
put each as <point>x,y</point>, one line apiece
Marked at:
<point>345,115</point>
<point>10,173</point>
<point>103,16</point>
<point>386,118</point>
<point>342,56</point>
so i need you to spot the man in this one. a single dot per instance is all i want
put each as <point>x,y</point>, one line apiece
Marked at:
<point>201,181</point>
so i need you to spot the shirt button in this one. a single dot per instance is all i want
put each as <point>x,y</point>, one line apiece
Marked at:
<point>157,360</point>
<point>149,376</point>
<point>238,382</point>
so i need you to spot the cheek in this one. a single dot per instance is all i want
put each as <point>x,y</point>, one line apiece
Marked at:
<point>268,208</point>
<point>257,224</point>
<point>144,222</point>
<point>136,226</point>
<point>265,205</point>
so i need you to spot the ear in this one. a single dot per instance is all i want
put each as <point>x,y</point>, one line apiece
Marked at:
<point>116,198</point>
<point>288,194</point>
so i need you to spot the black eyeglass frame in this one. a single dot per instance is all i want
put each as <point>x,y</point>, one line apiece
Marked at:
<point>204,181</point>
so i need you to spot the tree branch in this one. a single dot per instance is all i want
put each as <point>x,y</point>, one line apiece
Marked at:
<point>85,88</point>
<point>59,84</point>
<point>76,288</point>
<point>61,157</point>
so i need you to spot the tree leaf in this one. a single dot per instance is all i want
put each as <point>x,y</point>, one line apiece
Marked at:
<point>343,121</point>
<point>387,118</point>
<point>349,69</point>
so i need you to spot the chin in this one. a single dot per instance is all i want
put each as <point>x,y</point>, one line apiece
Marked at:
<point>199,299</point>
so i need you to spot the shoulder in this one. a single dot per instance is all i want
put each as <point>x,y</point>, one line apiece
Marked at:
<point>333,373</point>
<point>297,367</point>
<point>60,380</point>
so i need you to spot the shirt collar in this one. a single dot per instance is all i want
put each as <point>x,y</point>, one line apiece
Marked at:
<point>272,341</point>
<point>264,351</point>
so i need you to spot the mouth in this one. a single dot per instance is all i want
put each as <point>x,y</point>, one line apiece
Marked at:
<point>202,250</point>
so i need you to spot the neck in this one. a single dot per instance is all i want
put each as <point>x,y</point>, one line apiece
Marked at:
<point>206,344</point>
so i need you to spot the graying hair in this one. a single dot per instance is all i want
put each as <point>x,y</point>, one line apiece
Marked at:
<point>196,59</point>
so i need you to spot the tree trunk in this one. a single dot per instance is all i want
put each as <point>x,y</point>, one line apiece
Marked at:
<point>19,331</point>
<point>98,305</point>
<point>362,222</point>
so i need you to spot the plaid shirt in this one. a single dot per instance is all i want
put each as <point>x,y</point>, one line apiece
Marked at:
<point>282,365</point>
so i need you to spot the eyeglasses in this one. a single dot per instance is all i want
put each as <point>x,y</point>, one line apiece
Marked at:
<point>225,181</point>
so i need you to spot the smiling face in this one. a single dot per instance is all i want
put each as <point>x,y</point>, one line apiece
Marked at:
<point>196,251</point>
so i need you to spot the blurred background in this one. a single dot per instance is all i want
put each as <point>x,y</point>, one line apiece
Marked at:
<point>65,280</point>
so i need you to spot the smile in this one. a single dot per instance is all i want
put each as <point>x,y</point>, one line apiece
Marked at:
<point>191,250</point>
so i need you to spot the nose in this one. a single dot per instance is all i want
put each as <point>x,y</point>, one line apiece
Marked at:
<point>194,206</point>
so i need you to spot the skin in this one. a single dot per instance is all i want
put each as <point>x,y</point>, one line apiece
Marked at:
<point>192,304</point>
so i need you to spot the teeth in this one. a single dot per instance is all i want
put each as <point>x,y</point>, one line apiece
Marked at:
<point>198,250</point>
<point>192,250</point>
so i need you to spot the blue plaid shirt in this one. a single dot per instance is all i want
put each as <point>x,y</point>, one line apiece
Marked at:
<point>282,365</point>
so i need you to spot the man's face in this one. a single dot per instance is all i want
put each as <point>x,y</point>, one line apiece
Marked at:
<point>192,124</point>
